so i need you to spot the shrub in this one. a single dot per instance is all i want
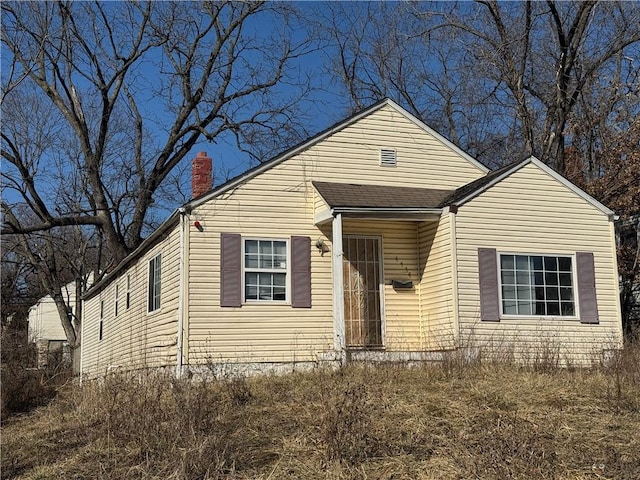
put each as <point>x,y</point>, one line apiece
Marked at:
<point>25,387</point>
<point>346,419</point>
<point>623,372</point>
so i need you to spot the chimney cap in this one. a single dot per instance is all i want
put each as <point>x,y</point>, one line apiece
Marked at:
<point>201,154</point>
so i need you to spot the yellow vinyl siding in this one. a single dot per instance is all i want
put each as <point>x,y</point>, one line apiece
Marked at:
<point>352,155</point>
<point>320,207</point>
<point>258,332</point>
<point>531,212</point>
<point>437,312</point>
<point>281,202</point>
<point>135,338</point>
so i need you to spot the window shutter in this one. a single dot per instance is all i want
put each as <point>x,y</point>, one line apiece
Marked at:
<point>230,270</point>
<point>587,287</point>
<point>301,272</point>
<point>488,274</point>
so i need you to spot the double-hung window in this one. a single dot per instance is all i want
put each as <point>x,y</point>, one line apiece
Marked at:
<point>115,300</point>
<point>265,270</point>
<point>101,327</point>
<point>155,271</point>
<point>537,285</point>
<point>128,294</point>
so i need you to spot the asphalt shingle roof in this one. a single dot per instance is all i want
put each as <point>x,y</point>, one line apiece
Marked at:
<point>379,196</point>
<point>478,184</point>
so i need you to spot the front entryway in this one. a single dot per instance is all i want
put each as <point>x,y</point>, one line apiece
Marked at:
<point>362,275</point>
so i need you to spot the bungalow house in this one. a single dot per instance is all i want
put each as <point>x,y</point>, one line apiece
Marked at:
<point>375,239</point>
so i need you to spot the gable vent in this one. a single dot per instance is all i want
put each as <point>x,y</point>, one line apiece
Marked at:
<point>388,157</point>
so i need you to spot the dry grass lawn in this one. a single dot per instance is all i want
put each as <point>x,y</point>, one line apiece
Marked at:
<point>450,421</point>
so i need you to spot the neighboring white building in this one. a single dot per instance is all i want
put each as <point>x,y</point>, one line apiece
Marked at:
<point>45,327</point>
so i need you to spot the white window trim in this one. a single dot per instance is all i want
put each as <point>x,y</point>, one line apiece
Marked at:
<point>287,300</point>
<point>574,279</point>
<point>159,309</point>
<point>101,325</point>
<point>127,295</point>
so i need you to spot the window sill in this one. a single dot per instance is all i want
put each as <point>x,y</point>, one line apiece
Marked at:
<point>155,312</point>
<point>267,302</point>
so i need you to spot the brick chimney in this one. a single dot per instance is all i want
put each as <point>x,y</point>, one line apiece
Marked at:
<point>201,174</point>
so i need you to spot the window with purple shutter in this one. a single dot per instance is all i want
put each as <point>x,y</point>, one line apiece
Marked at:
<point>265,270</point>
<point>537,285</point>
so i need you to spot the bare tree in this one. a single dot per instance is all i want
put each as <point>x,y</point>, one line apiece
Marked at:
<point>44,263</point>
<point>102,101</point>
<point>136,86</point>
<point>607,165</point>
<point>502,80</point>
<point>546,55</point>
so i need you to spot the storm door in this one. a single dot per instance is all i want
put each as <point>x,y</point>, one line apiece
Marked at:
<point>362,275</point>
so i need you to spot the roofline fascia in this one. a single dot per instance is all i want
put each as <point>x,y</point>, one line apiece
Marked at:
<point>382,210</point>
<point>497,179</point>
<point>549,171</point>
<point>439,137</point>
<point>606,210</point>
<point>157,233</point>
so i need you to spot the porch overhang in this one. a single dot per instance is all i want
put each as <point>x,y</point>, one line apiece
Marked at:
<point>390,214</point>
<point>379,202</point>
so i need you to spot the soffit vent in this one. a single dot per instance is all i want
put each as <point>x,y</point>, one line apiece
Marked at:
<point>388,157</point>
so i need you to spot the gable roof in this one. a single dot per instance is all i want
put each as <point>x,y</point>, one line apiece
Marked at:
<point>243,177</point>
<point>475,188</point>
<point>379,196</point>
<point>470,190</point>
<point>321,136</point>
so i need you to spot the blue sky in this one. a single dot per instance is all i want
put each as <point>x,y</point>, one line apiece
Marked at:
<point>324,105</point>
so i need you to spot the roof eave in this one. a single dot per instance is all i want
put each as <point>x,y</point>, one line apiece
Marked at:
<point>388,213</point>
<point>156,235</point>
<point>287,154</point>
<point>438,136</point>
<point>346,210</point>
<point>549,171</point>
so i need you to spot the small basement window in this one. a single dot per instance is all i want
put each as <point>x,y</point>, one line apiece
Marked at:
<point>388,157</point>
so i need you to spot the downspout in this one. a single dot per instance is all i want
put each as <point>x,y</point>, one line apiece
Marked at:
<point>179,345</point>
<point>419,288</point>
